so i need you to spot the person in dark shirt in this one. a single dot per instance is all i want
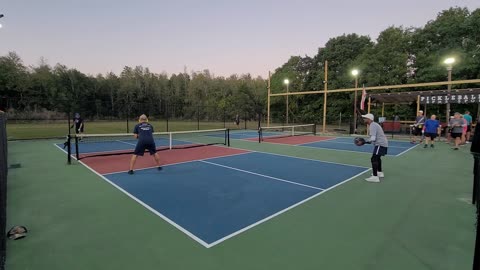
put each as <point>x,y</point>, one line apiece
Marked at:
<point>78,123</point>
<point>143,131</point>
<point>418,127</point>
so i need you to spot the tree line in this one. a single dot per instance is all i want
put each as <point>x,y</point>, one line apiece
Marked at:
<point>398,56</point>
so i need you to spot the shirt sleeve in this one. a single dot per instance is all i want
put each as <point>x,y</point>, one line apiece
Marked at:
<point>373,133</point>
<point>135,129</point>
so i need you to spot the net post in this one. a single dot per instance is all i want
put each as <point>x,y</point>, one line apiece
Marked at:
<point>227,137</point>
<point>314,129</point>
<point>245,119</point>
<point>170,140</point>
<point>260,135</point>
<point>69,149</point>
<point>76,148</point>
<point>293,131</point>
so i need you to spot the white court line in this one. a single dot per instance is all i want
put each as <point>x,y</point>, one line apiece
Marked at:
<point>66,152</point>
<point>407,150</point>
<point>182,162</point>
<point>126,142</point>
<point>329,162</point>
<point>191,235</point>
<point>171,222</point>
<point>262,175</point>
<point>283,211</point>
<point>200,241</point>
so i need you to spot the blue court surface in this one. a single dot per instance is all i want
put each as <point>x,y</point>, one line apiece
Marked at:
<point>395,148</point>
<point>214,199</point>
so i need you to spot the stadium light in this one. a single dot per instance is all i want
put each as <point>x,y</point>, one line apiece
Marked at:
<point>449,61</point>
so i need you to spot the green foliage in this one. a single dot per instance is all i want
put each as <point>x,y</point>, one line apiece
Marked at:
<point>398,56</point>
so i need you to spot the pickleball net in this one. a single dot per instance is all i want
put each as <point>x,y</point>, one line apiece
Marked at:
<point>93,145</point>
<point>268,133</point>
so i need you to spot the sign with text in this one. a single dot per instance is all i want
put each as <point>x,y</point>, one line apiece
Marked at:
<point>452,98</point>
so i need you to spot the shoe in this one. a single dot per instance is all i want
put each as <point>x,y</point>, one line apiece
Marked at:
<point>159,168</point>
<point>379,174</point>
<point>455,148</point>
<point>425,146</point>
<point>373,179</point>
<point>432,146</point>
<point>130,172</point>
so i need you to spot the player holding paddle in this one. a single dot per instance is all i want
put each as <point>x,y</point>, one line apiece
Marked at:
<point>380,142</point>
<point>143,131</point>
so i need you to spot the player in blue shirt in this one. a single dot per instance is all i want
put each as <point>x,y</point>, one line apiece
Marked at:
<point>143,131</point>
<point>431,130</point>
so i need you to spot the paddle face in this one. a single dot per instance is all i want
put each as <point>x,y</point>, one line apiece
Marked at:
<point>359,141</point>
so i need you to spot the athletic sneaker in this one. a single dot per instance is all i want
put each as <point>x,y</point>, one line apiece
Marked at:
<point>425,146</point>
<point>373,179</point>
<point>379,174</point>
<point>431,146</point>
<point>130,172</point>
<point>159,168</point>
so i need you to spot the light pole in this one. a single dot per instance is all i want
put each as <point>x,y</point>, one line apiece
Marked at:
<point>286,81</point>
<point>449,62</point>
<point>355,74</point>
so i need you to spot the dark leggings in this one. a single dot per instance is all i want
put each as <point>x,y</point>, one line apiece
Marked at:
<point>376,164</point>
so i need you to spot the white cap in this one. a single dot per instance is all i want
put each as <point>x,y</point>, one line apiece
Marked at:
<point>420,111</point>
<point>368,116</point>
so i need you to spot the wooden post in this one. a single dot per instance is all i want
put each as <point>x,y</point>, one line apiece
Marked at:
<point>268,99</point>
<point>325,88</point>
<point>418,104</point>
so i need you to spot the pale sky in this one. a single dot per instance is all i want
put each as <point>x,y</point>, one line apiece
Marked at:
<point>226,37</point>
